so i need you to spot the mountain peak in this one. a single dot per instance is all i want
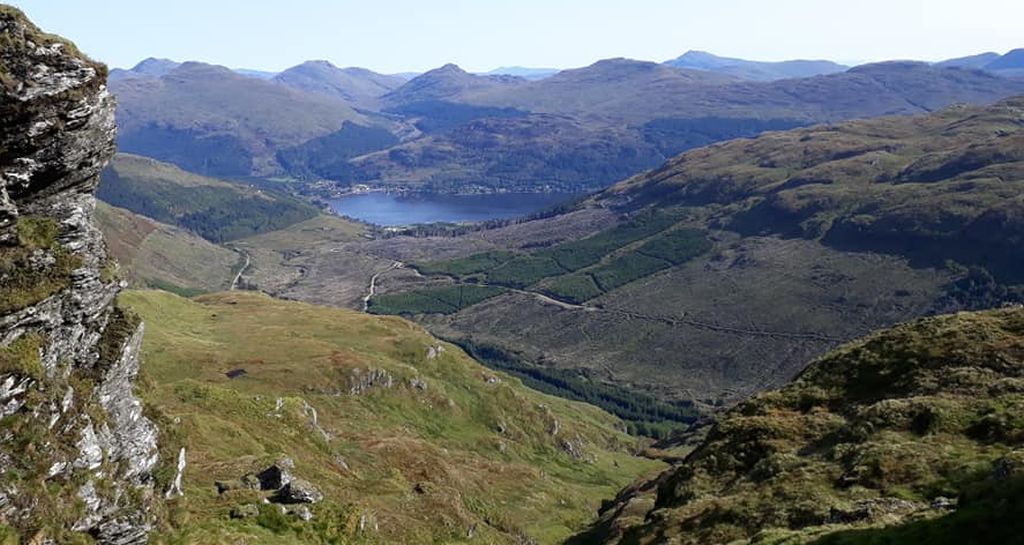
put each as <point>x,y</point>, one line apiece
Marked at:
<point>355,85</point>
<point>620,63</point>
<point>444,83</point>
<point>319,64</point>
<point>449,68</point>
<point>153,66</point>
<point>695,58</point>
<point>191,68</point>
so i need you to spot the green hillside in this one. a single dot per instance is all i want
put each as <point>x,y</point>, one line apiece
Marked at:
<point>946,186</point>
<point>153,254</point>
<point>909,436</point>
<point>409,440</point>
<point>732,265</point>
<point>214,209</point>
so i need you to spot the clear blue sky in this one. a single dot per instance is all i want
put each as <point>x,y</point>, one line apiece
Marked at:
<point>416,35</point>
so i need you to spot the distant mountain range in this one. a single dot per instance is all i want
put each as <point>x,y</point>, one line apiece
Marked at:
<point>693,60</point>
<point>517,129</point>
<point>212,120</point>
<point>160,67</point>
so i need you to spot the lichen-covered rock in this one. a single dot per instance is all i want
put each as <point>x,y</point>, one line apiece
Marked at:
<point>76,452</point>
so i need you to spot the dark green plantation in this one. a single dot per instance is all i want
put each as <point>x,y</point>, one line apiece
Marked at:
<point>446,300</point>
<point>643,414</point>
<point>573,256</point>
<point>574,272</point>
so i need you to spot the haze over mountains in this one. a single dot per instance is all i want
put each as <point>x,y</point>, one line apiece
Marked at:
<point>578,129</point>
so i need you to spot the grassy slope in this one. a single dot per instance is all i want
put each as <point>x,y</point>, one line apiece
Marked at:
<point>215,209</point>
<point>445,437</point>
<point>153,254</point>
<point>928,409</point>
<point>942,186</point>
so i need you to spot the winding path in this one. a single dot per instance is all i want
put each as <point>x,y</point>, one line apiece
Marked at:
<point>238,276</point>
<point>373,283</point>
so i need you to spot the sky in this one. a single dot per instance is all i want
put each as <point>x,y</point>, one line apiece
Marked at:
<point>416,35</point>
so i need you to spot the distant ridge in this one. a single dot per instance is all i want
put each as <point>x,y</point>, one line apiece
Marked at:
<point>1011,64</point>
<point>972,61</point>
<point>755,70</point>
<point>523,72</point>
<point>155,68</point>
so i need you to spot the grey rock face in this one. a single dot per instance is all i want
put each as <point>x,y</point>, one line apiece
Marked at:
<point>363,381</point>
<point>299,491</point>
<point>69,358</point>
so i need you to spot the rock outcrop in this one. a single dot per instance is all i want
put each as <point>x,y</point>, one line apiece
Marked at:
<point>76,452</point>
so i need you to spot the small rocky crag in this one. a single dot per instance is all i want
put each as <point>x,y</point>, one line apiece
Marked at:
<point>76,452</point>
<point>284,488</point>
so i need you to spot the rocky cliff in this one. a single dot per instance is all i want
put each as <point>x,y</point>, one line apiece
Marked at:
<point>76,452</point>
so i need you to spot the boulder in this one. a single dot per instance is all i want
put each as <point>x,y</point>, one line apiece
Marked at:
<point>298,491</point>
<point>277,476</point>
